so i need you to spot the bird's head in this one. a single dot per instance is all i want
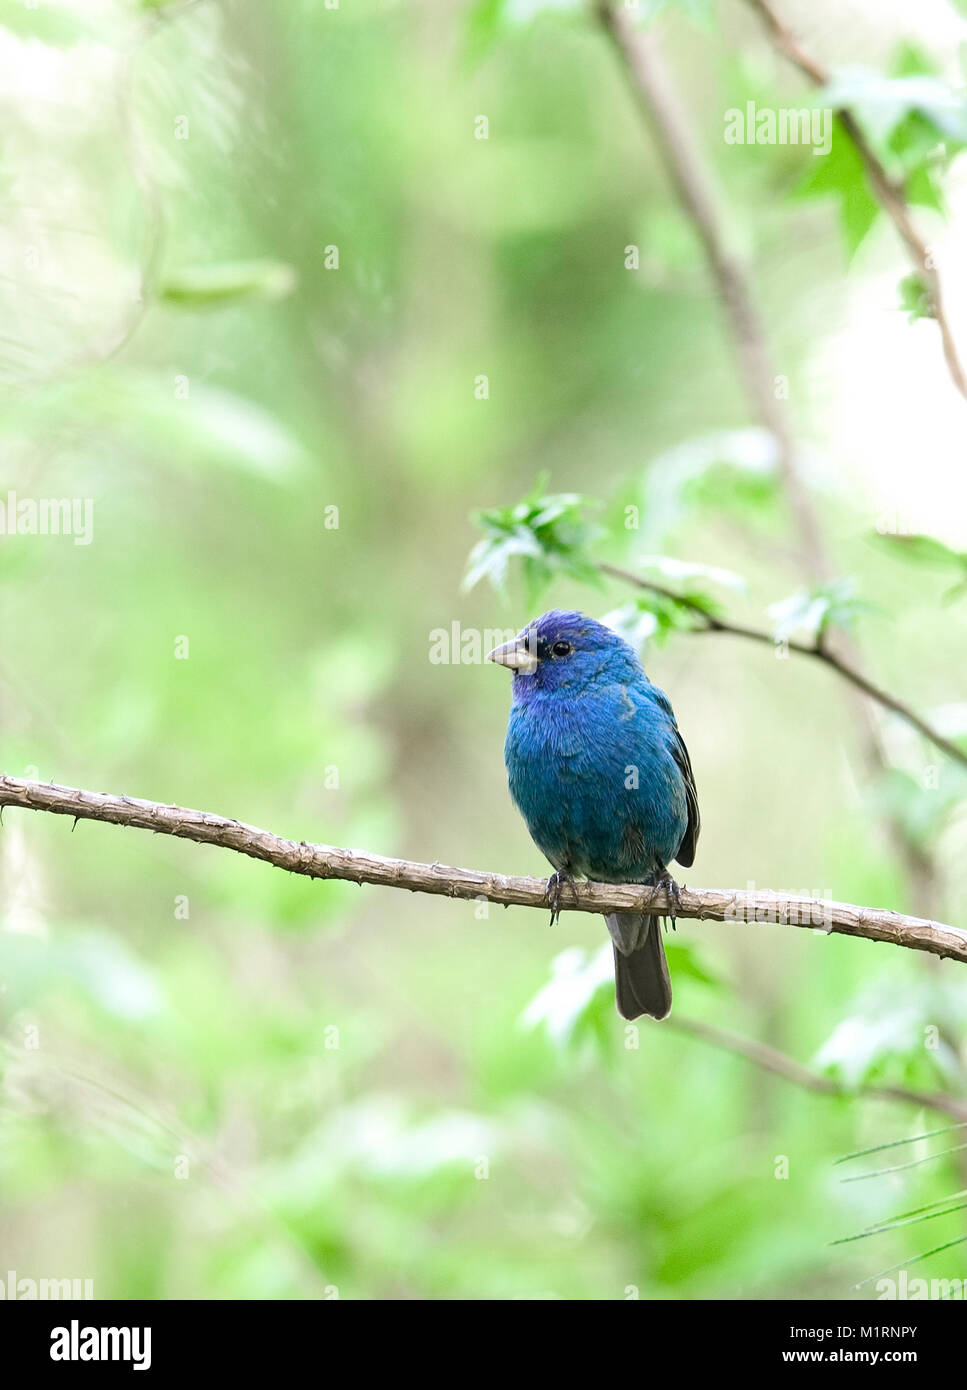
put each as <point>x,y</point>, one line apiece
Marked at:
<point>568,652</point>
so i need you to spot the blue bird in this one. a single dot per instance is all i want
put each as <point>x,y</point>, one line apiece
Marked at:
<point>600,774</point>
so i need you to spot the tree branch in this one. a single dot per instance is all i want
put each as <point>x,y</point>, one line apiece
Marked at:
<point>711,622</point>
<point>888,193</point>
<point>662,107</point>
<point>356,866</point>
<point>660,103</point>
<point>780,1064</point>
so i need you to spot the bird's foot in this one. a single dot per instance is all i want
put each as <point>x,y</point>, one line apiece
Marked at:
<point>665,880</point>
<point>554,885</point>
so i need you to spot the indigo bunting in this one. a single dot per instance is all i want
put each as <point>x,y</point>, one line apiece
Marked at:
<point>598,770</point>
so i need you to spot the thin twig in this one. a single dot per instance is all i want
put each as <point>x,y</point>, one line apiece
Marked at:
<point>661,105</point>
<point>819,651</point>
<point>888,193</point>
<point>780,1064</point>
<point>356,866</point>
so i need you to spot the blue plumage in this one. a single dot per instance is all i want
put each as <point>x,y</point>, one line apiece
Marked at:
<point>599,772</point>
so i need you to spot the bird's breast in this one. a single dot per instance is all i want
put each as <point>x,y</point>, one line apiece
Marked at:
<point>598,790</point>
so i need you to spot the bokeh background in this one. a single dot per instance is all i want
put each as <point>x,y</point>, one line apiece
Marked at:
<point>254,268</point>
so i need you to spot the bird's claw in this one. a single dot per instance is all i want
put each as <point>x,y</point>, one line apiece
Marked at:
<point>665,880</point>
<point>554,885</point>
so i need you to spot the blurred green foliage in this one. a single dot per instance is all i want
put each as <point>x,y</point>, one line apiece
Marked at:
<point>253,277</point>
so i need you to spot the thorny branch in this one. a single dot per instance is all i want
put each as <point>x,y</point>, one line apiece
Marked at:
<point>357,866</point>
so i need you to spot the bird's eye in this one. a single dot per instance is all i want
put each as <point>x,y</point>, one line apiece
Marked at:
<point>561,649</point>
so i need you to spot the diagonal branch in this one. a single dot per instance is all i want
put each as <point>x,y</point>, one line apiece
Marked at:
<point>661,106</point>
<point>819,651</point>
<point>659,102</point>
<point>780,1064</point>
<point>356,866</point>
<point>888,193</point>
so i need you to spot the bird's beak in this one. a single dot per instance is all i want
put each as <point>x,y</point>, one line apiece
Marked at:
<point>517,655</point>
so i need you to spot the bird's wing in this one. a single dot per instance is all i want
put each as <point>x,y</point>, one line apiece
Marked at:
<point>686,850</point>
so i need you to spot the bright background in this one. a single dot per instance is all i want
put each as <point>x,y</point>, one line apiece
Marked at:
<point>367,1095</point>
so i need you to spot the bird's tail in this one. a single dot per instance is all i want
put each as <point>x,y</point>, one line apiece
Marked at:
<point>641,980</point>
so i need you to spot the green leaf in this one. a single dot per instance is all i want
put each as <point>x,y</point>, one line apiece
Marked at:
<point>885,1034</point>
<point>648,618</point>
<point>576,1006</point>
<point>840,174</point>
<point>915,298</point>
<point>489,20</point>
<point>484,20</point>
<point>236,282</point>
<point>881,102</point>
<point>549,533</point>
<point>924,550</point>
<point>732,471</point>
<point>652,616</point>
<point>687,570</point>
<point>569,1006</point>
<point>923,188</point>
<point>927,550</point>
<point>801,611</point>
<point>915,120</point>
<point>491,557</point>
<point>910,60</point>
<point>860,1047</point>
<point>209,423</point>
<point>815,610</point>
<point>685,960</point>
